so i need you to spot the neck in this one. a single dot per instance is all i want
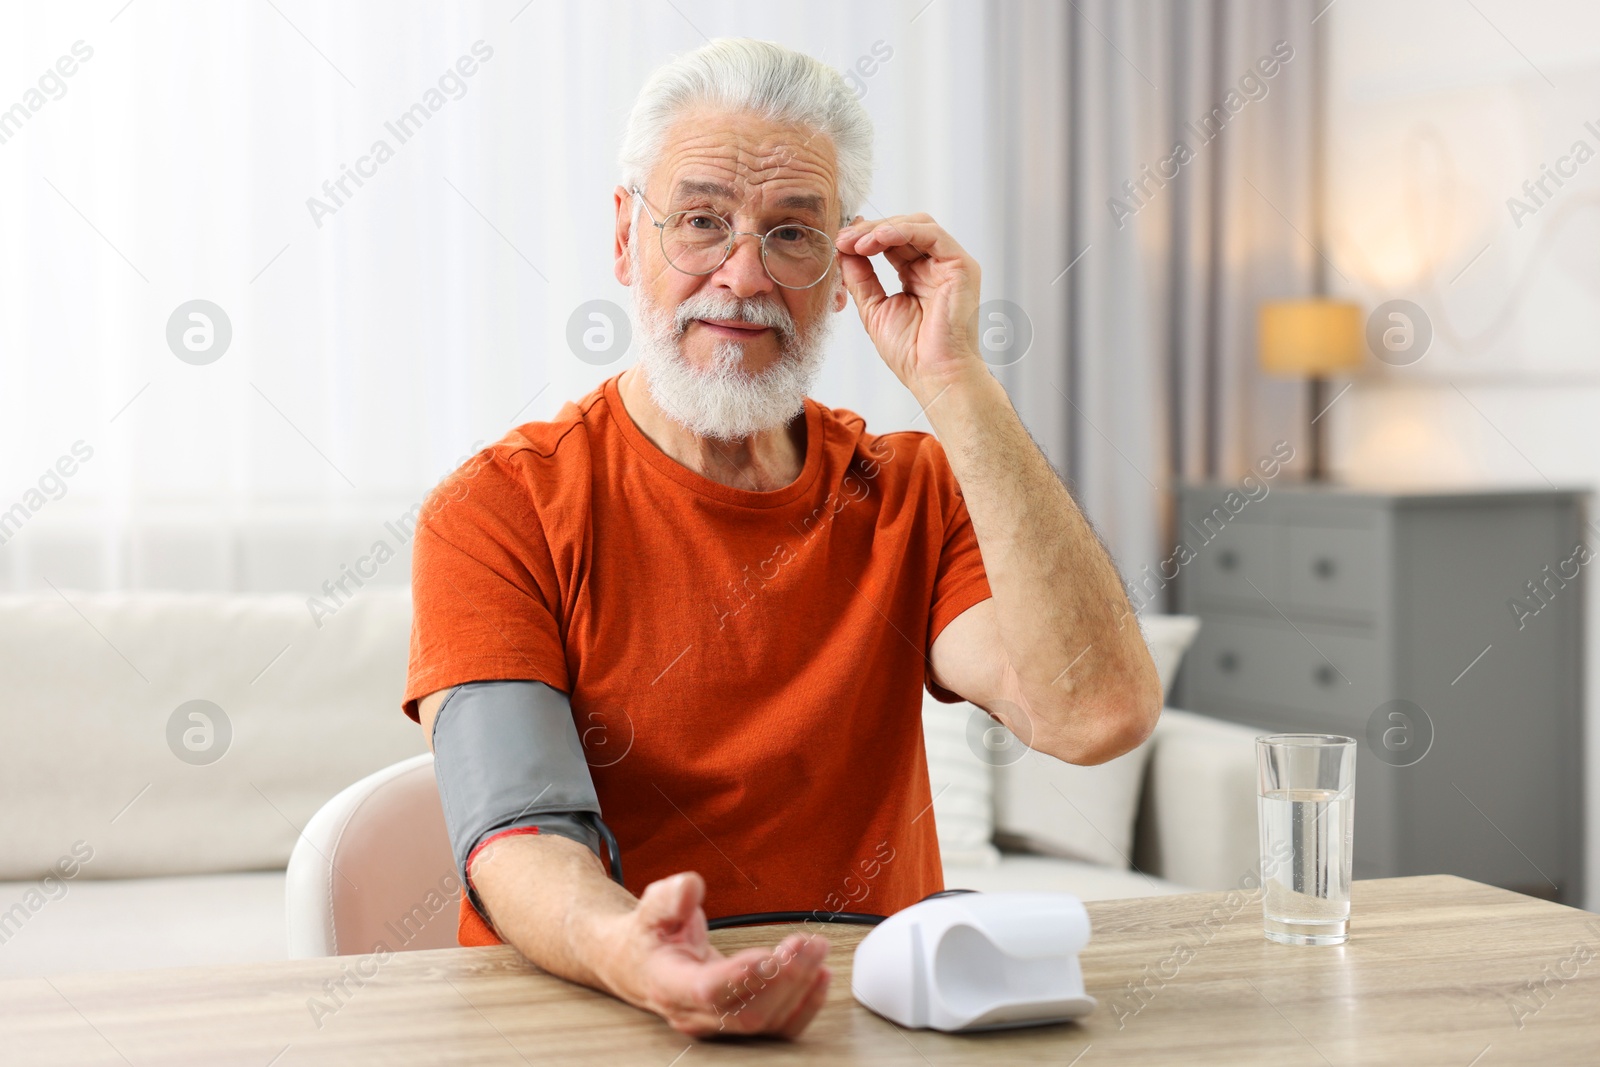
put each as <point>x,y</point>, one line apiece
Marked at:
<point>761,462</point>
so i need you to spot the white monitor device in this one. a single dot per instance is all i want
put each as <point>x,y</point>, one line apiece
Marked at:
<point>977,961</point>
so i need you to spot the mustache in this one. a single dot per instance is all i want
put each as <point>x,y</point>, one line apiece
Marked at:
<point>731,308</point>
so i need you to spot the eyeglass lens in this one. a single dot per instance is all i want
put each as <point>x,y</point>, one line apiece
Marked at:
<point>795,256</point>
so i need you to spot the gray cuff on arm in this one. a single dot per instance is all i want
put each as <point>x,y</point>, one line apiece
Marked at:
<point>506,756</point>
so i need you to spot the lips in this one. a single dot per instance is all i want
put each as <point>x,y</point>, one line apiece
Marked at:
<point>733,328</point>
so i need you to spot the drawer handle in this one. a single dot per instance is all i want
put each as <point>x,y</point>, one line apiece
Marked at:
<point>1326,675</point>
<point>1324,568</point>
<point>1227,560</point>
<point>1228,662</point>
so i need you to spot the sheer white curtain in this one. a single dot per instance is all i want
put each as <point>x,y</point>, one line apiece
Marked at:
<point>380,338</point>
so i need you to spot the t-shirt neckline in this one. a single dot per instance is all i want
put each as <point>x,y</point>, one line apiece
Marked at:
<point>699,483</point>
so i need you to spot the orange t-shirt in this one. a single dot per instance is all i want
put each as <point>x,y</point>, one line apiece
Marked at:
<point>745,668</point>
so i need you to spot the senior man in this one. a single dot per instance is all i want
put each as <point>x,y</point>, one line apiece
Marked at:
<point>706,605</point>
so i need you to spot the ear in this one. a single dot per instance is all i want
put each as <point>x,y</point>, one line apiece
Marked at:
<point>841,295</point>
<point>620,266</point>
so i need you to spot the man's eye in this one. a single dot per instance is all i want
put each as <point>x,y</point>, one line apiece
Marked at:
<point>789,234</point>
<point>703,221</point>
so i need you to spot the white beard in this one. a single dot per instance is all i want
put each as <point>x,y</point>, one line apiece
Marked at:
<point>722,401</point>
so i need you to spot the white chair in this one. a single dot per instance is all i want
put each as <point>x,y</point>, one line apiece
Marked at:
<point>373,870</point>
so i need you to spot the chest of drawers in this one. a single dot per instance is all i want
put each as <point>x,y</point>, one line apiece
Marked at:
<point>1445,625</point>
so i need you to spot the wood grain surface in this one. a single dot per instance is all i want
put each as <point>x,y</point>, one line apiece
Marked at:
<point>1438,970</point>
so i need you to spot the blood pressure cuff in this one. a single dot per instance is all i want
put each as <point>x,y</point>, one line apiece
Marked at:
<point>508,760</point>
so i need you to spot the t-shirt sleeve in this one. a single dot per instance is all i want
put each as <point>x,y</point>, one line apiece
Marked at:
<point>960,581</point>
<point>485,596</point>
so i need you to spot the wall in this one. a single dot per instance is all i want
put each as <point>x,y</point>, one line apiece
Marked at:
<point>1438,113</point>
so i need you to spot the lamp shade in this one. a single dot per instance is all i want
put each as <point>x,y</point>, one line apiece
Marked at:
<point>1309,337</point>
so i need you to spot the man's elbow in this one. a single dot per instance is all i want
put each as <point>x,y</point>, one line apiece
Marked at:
<point>1138,722</point>
<point>1121,720</point>
<point>1120,732</point>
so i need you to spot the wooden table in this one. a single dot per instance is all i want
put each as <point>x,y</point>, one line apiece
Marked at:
<point>1437,970</point>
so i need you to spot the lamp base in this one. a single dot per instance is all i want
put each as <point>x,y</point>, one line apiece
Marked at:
<point>1318,471</point>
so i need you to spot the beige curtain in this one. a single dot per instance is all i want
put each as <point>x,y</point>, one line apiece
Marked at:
<point>1140,263</point>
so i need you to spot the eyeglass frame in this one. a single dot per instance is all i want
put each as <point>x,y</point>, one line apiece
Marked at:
<point>733,236</point>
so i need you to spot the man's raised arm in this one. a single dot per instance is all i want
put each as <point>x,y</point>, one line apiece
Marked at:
<point>1054,654</point>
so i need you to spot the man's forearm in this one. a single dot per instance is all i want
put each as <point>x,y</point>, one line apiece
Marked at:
<point>1063,617</point>
<point>550,899</point>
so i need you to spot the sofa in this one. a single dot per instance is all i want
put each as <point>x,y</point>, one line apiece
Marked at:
<point>163,751</point>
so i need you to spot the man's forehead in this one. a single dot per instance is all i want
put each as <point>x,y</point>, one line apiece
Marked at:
<point>776,194</point>
<point>739,158</point>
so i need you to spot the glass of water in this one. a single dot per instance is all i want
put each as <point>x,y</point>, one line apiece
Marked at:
<point>1306,803</point>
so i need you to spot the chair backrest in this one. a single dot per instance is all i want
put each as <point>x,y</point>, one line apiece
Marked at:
<point>373,870</point>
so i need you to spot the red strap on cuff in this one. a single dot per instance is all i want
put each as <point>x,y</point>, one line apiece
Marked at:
<point>486,842</point>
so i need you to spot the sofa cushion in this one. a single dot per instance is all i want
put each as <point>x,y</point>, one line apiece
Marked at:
<point>1197,820</point>
<point>104,747</point>
<point>1020,872</point>
<point>219,919</point>
<point>1087,813</point>
<point>961,783</point>
<point>137,923</point>
<point>1169,637</point>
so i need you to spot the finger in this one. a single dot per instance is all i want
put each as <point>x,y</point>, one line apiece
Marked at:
<point>784,995</point>
<point>862,282</point>
<point>773,988</point>
<point>739,994</point>
<point>803,972</point>
<point>722,985</point>
<point>911,268</point>
<point>687,987</point>
<point>707,997</point>
<point>850,230</point>
<point>715,976</point>
<point>902,256</point>
<point>870,238</point>
<point>752,1004</point>
<point>672,905</point>
<point>809,1005</point>
<point>877,234</point>
<point>753,971</point>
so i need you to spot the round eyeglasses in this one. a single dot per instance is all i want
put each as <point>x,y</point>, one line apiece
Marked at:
<point>698,241</point>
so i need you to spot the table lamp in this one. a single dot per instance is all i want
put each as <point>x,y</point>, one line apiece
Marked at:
<point>1313,339</point>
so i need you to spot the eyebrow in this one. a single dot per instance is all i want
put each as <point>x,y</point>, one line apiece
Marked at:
<point>691,187</point>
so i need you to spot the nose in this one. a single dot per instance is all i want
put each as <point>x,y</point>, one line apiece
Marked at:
<point>742,273</point>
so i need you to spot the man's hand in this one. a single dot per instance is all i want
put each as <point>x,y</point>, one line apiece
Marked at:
<point>1051,656</point>
<point>660,959</point>
<point>924,333</point>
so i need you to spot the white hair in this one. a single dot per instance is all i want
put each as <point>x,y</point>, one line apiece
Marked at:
<point>742,74</point>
